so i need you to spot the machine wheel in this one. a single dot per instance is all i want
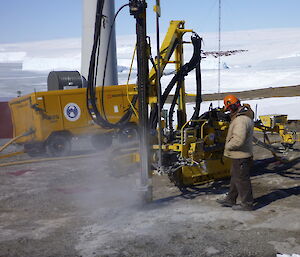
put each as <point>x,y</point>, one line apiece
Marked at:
<point>58,145</point>
<point>129,133</point>
<point>102,141</point>
<point>35,149</point>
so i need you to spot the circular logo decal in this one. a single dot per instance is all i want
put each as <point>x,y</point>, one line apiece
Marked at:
<point>72,112</point>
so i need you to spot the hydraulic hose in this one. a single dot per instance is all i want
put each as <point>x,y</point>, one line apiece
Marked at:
<point>171,111</point>
<point>198,91</point>
<point>48,159</point>
<point>91,85</point>
<point>184,70</point>
<point>194,63</point>
<point>27,133</point>
<point>273,150</point>
<point>91,94</point>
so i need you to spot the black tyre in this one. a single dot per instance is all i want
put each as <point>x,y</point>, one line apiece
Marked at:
<point>58,145</point>
<point>129,133</point>
<point>102,141</point>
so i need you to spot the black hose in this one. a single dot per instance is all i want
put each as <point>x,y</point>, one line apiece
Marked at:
<point>91,85</point>
<point>199,89</point>
<point>171,111</point>
<point>91,96</point>
<point>194,63</point>
<point>179,76</point>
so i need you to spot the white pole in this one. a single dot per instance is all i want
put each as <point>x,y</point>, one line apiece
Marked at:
<point>89,13</point>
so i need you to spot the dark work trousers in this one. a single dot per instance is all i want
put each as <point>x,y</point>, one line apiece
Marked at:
<point>240,184</point>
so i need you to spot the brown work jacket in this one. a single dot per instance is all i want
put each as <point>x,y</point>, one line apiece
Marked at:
<point>240,134</point>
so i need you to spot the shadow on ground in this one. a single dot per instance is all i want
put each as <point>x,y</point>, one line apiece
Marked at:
<point>272,166</point>
<point>261,167</point>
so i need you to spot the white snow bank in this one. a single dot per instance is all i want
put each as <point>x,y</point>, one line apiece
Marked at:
<point>10,57</point>
<point>44,55</point>
<point>277,105</point>
<point>287,255</point>
<point>262,46</point>
<point>289,56</point>
<point>272,59</point>
<point>49,64</point>
<point>266,106</point>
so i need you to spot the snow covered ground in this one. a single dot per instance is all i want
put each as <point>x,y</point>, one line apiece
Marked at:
<point>287,255</point>
<point>275,105</point>
<point>271,59</point>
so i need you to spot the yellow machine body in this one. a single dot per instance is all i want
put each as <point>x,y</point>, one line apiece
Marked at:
<point>271,124</point>
<point>208,170</point>
<point>273,120</point>
<point>46,112</point>
<point>201,153</point>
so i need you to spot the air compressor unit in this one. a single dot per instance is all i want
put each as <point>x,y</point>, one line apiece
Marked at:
<point>50,119</point>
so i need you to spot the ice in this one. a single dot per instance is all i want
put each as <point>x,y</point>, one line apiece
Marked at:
<point>49,64</point>
<point>63,54</point>
<point>288,255</point>
<point>8,57</point>
<point>271,59</point>
<point>266,106</point>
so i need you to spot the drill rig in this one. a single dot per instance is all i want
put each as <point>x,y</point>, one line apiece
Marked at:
<point>190,152</point>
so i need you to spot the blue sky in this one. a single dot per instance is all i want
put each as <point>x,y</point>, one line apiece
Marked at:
<point>31,20</point>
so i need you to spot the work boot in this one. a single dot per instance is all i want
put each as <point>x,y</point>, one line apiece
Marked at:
<point>225,202</point>
<point>242,207</point>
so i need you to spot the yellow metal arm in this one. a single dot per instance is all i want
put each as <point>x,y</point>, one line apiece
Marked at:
<point>175,31</point>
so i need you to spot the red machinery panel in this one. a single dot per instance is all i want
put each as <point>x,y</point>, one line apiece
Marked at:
<point>6,128</point>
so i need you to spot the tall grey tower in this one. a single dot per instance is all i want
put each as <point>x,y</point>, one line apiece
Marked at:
<point>89,13</point>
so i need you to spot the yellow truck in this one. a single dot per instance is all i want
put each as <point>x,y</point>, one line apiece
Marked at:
<point>50,119</point>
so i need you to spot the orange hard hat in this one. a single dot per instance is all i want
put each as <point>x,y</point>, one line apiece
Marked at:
<point>229,100</point>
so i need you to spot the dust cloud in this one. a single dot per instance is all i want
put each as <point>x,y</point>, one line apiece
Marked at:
<point>106,181</point>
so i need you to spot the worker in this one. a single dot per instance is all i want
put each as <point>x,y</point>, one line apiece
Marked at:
<point>238,148</point>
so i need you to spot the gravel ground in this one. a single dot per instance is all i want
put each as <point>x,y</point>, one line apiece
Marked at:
<point>79,207</point>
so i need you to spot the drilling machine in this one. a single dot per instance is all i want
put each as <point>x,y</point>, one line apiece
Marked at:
<point>191,152</point>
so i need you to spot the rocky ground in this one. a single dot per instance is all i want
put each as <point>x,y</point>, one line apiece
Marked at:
<point>78,207</point>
